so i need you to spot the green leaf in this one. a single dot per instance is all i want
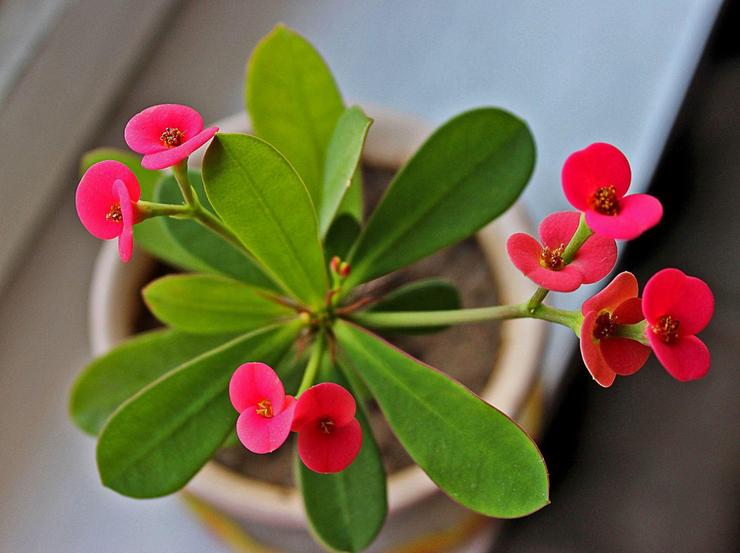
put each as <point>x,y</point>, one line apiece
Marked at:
<point>157,440</point>
<point>213,253</point>
<point>472,451</point>
<point>209,304</point>
<point>342,159</point>
<point>294,102</point>
<point>342,234</point>
<point>261,198</point>
<point>150,234</point>
<point>346,510</point>
<point>429,294</point>
<point>465,175</point>
<point>116,376</point>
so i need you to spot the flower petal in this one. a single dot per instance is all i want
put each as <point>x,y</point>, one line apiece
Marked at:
<point>596,166</point>
<point>95,196</point>
<point>624,356</point>
<point>638,213</point>
<point>261,434</point>
<point>325,400</point>
<point>524,252</point>
<point>685,359</point>
<point>143,131</point>
<point>126,238</point>
<point>172,156</point>
<point>595,258</point>
<point>628,312</point>
<point>558,228</point>
<point>623,287</point>
<point>254,382</point>
<point>329,453</point>
<point>591,353</point>
<point>687,299</point>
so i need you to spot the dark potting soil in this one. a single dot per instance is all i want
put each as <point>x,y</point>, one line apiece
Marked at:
<point>466,353</point>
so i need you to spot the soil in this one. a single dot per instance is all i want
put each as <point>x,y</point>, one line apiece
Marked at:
<point>466,353</point>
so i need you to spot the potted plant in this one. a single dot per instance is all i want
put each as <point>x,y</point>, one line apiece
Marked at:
<point>274,333</point>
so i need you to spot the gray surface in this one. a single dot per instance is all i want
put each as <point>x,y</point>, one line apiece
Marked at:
<point>578,72</point>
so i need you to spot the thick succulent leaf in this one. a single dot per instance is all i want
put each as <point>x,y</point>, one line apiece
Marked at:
<point>346,510</point>
<point>342,234</point>
<point>210,304</point>
<point>213,253</point>
<point>258,194</point>
<point>151,235</point>
<point>465,175</point>
<point>157,440</point>
<point>429,294</point>
<point>342,160</point>
<point>119,374</point>
<point>472,451</point>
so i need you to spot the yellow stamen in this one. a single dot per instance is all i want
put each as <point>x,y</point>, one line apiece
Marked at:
<point>171,137</point>
<point>264,408</point>
<point>666,329</point>
<point>552,258</point>
<point>114,213</point>
<point>326,425</point>
<point>605,325</point>
<point>605,200</point>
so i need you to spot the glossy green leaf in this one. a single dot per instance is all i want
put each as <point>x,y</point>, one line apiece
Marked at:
<point>150,234</point>
<point>119,374</point>
<point>472,451</point>
<point>465,175</point>
<point>429,294</point>
<point>157,440</point>
<point>342,159</point>
<point>294,102</point>
<point>258,194</point>
<point>343,232</point>
<point>346,510</point>
<point>213,253</point>
<point>209,304</point>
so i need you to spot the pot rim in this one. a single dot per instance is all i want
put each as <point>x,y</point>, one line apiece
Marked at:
<point>394,137</point>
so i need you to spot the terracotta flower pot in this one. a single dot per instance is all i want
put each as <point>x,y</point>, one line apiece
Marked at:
<point>420,517</point>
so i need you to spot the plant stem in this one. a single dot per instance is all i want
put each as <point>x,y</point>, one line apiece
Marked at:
<point>145,210</point>
<point>401,319</point>
<point>313,364</point>
<point>582,234</point>
<point>181,176</point>
<point>634,332</point>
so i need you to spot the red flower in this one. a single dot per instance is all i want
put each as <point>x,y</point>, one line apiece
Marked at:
<point>166,134</point>
<point>105,201</point>
<point>595,181</point>
<point>329,436</point>
<point>677,307</point>
<point>266,413</point>
<point>545,265</point>
<point>605,354</point>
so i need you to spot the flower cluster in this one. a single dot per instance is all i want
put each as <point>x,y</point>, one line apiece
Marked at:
<point>618,330</point>
<point>329,435</point>
<point>107,198</point>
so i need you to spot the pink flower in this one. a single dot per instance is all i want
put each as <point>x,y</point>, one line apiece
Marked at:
<point>595,181</point>
<point>605,354</point>
<point>329,436</point>
<point>166,134</point>
<point>677,307</point>
<point>266,413</point>
<point>545,265</point>
<point>105,201</point>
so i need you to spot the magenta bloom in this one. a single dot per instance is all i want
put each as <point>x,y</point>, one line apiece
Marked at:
<point>605,354</point>
<point>677,307</point>
<point>166,134</point>
<point>105,201</point>
<point>595,181</point>
<point>544,264</point>
<point>266,413</point>
<point>329,436</point>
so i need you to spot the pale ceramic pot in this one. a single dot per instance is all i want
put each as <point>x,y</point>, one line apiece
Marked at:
<point>420,518</point>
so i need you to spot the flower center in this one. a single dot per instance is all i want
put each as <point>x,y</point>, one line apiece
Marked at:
<point>666,329</point>
<point>605,200</point>
<point>114,213</point>
<point>171,137</point>
<point>326,425</point>
<point>552,258</point>
<point>605,325</point>
<point>264,408</point>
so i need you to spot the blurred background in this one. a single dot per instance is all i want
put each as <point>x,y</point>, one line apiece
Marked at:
<point>649,465</point>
